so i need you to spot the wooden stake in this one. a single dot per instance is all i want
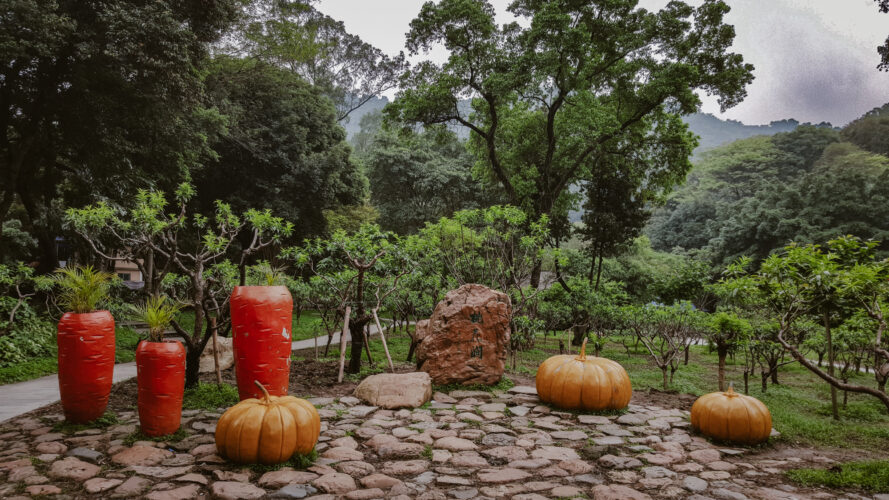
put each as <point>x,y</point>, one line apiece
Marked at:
<point>315,338</point>
<point>383,338</point>
<point>364,330</point>
<point>215,350</point>
<point>343,343</point>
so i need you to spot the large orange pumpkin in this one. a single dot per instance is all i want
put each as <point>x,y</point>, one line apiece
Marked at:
<point>582,383</point>
<point>732,417</point>
<point>268,430</point>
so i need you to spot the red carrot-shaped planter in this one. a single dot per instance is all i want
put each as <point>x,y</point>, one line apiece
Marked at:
<point>261,322</point>
<point>86,364</point>
<point>161,378</point>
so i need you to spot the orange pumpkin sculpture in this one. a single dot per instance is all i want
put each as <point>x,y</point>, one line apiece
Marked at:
<point>732,417</point>
<point>268,430</point>
<point>582,383</point>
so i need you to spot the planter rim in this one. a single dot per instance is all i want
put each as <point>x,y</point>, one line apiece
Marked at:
<point>259,286</point>
<point>91,312</point>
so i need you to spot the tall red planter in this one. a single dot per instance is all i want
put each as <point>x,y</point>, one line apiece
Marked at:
<point>161,375</point>
<point>86,364</point>
<point>261,321</point>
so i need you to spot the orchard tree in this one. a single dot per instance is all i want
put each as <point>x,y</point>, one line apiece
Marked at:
<point>578,83</point>
<point>806,279</point>
<point>726,333</point>
<point>362,270</point>
<point>183,248</point>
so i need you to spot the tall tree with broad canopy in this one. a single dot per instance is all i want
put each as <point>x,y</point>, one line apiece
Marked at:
<point>94,96</point>
<point>294,35</point>
<point>283,149</point>
<point>577,82</point>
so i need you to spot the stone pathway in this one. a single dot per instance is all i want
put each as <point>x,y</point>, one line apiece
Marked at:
<point>22,397</point>
<point>463,445</point>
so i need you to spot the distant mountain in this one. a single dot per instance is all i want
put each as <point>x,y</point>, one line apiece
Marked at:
<point>353,123</point>
<point>715,132</point>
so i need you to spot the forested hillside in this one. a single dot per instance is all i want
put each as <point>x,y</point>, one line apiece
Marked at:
<point>755,195</point>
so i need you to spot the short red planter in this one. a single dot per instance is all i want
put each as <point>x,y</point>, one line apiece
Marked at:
<point>261,320</point>
<point>86,364</point>
<point>161,378</point>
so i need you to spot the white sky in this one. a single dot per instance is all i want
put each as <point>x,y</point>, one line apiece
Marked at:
<point>815,59</point>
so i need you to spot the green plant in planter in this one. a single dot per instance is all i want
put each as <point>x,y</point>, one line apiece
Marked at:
<point>85,342</point>
<point>82,288</point>
<point>158,312</point>
<point>266,274</point>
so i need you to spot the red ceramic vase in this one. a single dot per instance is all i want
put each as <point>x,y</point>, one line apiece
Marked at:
<point>261,321</point>
<point>86,364</point>
<point>161,376</point>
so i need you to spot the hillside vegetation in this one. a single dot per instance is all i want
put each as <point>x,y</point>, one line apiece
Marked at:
<point>755,195</point>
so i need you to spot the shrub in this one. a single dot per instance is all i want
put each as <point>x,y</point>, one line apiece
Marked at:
<point>29,337</point>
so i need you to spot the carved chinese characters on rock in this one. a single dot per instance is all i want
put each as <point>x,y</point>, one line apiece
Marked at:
<point>467,337</point>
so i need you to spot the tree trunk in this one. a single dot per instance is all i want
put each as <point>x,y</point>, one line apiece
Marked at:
<point>599,272</point>
<point>357,344</point>
<point>664,373</point>
<point>687,350</point>
<point>722,352</point>
<point>578,337</point>
<point>746,382</point>
<point>192,366</point>
<point>774,374</point>
<point>535,274</point>
<point>830,361</point>
<point>765,381</point>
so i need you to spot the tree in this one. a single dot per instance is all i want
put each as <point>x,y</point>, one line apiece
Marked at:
<point>292,34</point>
<point>664,331</point>
<point>726,333</point>
<point>282,149</point>
<point>578,82</point>
<point>180,247</point>
<point>419,177</point>
<point>871,131</point>
<point>362,269</point>
<point>883,50</point>
<point>94,96</point>
<point>806,279</point>
<point>614,211</point>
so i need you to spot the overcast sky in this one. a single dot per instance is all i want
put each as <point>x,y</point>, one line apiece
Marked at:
<point>815,59</point>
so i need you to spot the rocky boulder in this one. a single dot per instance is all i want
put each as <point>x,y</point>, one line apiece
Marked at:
<point>226,356</point>
<point>396,390</point>
<point>467,337</point>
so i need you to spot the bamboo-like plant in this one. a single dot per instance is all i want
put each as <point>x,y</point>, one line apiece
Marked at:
<point>82,288</point>
<point>159,312</point>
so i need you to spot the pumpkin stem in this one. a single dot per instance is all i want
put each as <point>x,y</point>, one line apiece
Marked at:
<point>267,400</point>
<point>730,392</point>
<point>582,355</point>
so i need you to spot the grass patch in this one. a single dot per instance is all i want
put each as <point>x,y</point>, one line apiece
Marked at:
<point>871,475</point>
<point>30,369</point>
<point>427,452</point>
<point>175,437</point>
<point>297,461</point>
<point>103,422</point>
<point>125,339</point>
<point>210,397</point>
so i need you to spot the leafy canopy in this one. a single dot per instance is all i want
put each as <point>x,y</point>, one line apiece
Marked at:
<point>555,98</point>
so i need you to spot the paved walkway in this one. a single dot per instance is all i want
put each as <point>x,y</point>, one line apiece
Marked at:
<point>20,398</point>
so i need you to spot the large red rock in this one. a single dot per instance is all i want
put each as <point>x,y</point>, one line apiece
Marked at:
<point>467,337</point>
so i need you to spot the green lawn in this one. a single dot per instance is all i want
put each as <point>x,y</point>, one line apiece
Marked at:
<point>126,340</point>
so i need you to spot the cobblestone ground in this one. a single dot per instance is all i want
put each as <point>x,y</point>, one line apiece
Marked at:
<point>463,445</point>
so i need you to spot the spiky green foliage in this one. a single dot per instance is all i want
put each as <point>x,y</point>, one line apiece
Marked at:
<point>158,312</point>
<point>82,288</point>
